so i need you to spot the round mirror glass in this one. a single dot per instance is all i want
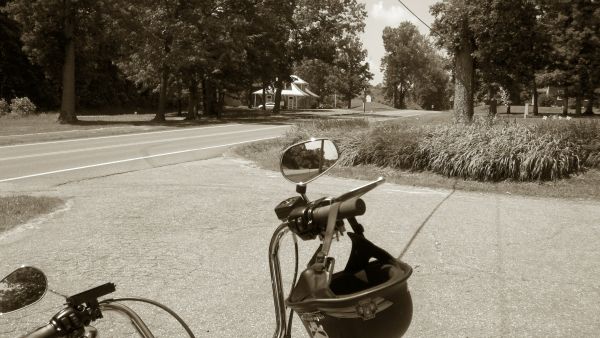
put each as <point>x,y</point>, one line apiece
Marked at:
<point>305,161</point>
<point>21,288</point>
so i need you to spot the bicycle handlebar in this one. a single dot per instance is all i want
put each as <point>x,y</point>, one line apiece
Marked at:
<point>350,208</point>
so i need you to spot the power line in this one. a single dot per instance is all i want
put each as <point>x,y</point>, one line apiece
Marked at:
<point>411,12</point>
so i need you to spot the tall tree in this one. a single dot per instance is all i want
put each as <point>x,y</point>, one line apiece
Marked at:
<point>573,27</point>
<point>404,62</point>
<point>351,72</point>
<point>17,73</point>
<point>54,33</point>
<point>505,57</point>
<point>497,38</point>
<point>452,31</point>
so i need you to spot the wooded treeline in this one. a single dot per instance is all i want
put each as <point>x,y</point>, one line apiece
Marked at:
<point>95,53</point>
<point>506,49</point>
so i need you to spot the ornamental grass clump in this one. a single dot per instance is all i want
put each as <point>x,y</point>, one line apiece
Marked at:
<point>586,134</point>
<point>336,129</point>
<point>496,152</point>
<point>393,146</point>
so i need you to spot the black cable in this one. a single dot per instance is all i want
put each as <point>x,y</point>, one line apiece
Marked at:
<point>149,301</point>
<point>411,12</point>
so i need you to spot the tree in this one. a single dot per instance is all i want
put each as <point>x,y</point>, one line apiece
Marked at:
<point>318,30</point>
<point>505,57</point>
<point>432,87</point>
<point>405,61</point>
<point>16,71</point>
<point>475,33</point>
<point>451,28</point>
<point>573,28</point>
<point>351,72</point>
<point>54,33</point>
<point>320,76</point>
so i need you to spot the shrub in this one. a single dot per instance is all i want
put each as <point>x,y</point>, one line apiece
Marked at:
<point>546,101</point>
<point>4,107</point>
<point>393,146</point>
<point>486,150</point>
<point>497,152</point>
<point>22,106</point>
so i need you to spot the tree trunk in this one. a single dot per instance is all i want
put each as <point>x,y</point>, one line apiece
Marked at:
<point>463,82</point>
<point>192,113</point>
<point>349,98</point>
<point>493,109</point>
<point>249,96</point>
<point>565,107</point>
<point>578,104</point>
<point>179,95</point>
<point>67,105</point>
<point>401,99</point>
<point>278,90</point>
<point>535,98</point>
<point>210,98</point>
<point>162,100</point>
<point>264,97</point>
<point>589,107</point>
<point>508,109</point>
<point>220,103</point>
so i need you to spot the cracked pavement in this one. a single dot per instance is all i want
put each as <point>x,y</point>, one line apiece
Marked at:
<point>195,235</point>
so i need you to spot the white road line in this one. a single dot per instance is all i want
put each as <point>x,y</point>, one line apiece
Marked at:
<point>63,131</point>
<point>132,159</point>
<point>132,144</point>
<point>417,191</point>
<point>115,136</point>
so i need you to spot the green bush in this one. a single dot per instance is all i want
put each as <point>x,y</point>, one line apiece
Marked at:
<point>4,107</point>
<point>22,106</point>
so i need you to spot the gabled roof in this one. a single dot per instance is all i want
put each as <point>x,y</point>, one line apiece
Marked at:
<point>294,91</point>
<point>297,80</point>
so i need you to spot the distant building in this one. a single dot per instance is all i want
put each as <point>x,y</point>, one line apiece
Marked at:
<point>295,95</point>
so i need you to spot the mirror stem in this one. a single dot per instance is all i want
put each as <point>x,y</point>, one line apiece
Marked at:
<point>301,189</point>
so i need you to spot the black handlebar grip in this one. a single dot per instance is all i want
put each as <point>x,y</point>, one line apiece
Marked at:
<point>48,331</point>
<point>350,208</point>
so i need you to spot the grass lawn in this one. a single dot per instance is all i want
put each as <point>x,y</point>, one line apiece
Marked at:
<point>15,210</point>
<point>583,186</point>
<point>45,127</point>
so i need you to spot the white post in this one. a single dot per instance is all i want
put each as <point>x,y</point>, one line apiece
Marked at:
<point>526,110</point>
<point>334,100</point>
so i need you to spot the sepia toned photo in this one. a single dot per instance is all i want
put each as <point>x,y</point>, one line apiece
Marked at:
<point>299,168</point>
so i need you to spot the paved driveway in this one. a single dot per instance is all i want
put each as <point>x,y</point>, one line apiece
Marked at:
<point>195,236</point>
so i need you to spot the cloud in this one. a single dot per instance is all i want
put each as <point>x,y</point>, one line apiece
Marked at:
<point>391,15</point>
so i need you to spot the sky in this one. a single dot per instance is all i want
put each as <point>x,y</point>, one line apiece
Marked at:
<point>383,13</point>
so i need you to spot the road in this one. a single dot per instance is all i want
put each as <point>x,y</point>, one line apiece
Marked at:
<point>98,156</point>
<point>195,236</point>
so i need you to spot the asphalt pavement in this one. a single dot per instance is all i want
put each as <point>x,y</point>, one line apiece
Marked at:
<point>194,236</point>
<point>104,155</point>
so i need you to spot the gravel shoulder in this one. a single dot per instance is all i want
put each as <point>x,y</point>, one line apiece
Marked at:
<point>195,236</point>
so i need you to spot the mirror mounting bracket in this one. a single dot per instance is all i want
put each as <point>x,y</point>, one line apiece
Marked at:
<point>301,189</point>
